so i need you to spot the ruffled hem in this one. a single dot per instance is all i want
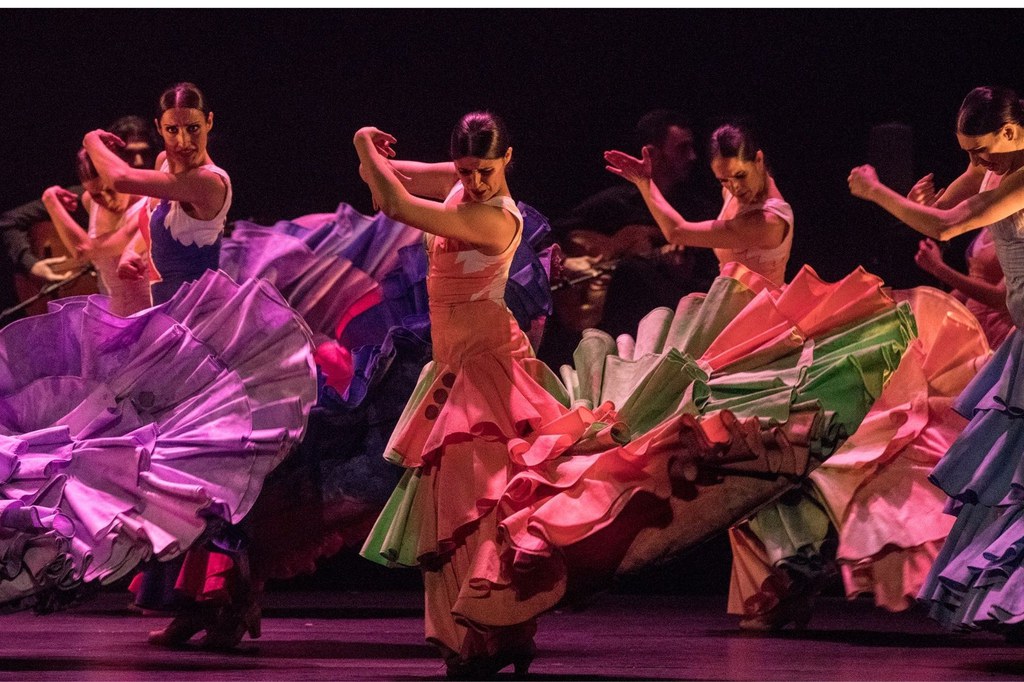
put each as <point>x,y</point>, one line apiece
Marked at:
<point>894,576</point>
<point>875,487</point>
<point>715,468</point>
<point>764,384</point>
<point>770,590</point>
<point>984,465</point>
<point>336,271</point>
<point>36,562</point>
<point>142,430</point>
<point>978,579</point>
<point>806,408</point>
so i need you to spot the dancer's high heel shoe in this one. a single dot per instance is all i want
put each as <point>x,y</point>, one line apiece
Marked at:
<point>486,667</point>
<point>802,578</point>
<point>232,623</point>
<point>184,626</point>
<point>795,609</point>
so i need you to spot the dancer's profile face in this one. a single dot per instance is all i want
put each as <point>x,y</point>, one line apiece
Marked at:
<point>184,132</point>
<point>105,195</point>
<point>482,179</point>
<point>745,180</point>
<point>992,151</point>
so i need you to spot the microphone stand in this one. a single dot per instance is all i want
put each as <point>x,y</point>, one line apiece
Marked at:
<point>45,291</point>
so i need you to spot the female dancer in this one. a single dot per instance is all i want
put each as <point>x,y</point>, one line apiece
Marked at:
<point>190,195</point>
<point>190,198</point>
<point>974,581</point>
<point>479,399</point>
<point>982,289</point>
<point>782,556</point>
<point>755,225</point>
<point>754,228</point>
<point>114,220</point>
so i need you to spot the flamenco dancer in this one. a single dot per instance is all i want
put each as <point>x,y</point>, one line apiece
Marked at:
<point>168,420</point>
<point>479,410</point>
<point>755,224</point>
<point>754,228</point>
<point>114,220</point>
<point>190,199</point>
<point>190,194</point>
<point>782,556</point>
<point>17,223</point>
<point>976,580</point>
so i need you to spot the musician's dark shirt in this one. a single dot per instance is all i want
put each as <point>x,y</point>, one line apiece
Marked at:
<point>619,205</point>
<point>639,283</point>
<point>16,223</point>
<point>17,248</point>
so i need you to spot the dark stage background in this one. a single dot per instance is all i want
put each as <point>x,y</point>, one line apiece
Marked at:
<point>289,88</point>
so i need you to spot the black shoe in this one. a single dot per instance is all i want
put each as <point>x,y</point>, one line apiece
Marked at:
<point>230,625</point>
<point>486,667</point>
<point>184,626</point>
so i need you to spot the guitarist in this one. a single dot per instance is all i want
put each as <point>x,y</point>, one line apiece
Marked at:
<point>614,226</point>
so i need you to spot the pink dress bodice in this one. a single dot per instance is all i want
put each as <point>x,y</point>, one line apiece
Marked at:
<point>983,264</point>
<point>770,262</point>
<point>466,290</point>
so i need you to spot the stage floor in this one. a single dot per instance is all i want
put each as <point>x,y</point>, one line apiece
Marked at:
<point>378,636</point>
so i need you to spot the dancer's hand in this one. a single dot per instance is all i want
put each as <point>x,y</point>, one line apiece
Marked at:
<point>923,191</point>
<point>59,195</point>
<point>928,256</point>
<point>863,181</point>
<point>637,171</point>
<point>111,140</point>
<point>374,200</point>
<point>377,139</point>
<point>132,266</point>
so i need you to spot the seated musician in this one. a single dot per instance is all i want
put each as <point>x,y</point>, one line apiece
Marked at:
<point>616,252</point>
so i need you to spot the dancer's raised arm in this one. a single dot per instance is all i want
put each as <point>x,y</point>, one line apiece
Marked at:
<point>942,224</point>
<point>476,223</point>
<point>990,128</point>
<point>992,294</point>
<point>181,173</point>
<point>59,204</point>
<point>754,222</point>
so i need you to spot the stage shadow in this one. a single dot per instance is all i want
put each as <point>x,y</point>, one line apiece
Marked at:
<point>333,649</point>
<point>319,613</point>
<point>179,664</point>
<point>540,677</point>
<point>998,668</point>
<point>335,613</point>
<point>875,638</point>
<point>562,676</point>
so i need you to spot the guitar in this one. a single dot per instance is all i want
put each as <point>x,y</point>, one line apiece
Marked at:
<point>580,287</point>
<point>46,243</point>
